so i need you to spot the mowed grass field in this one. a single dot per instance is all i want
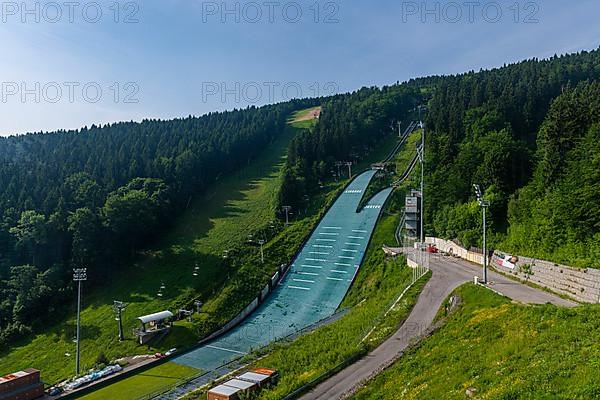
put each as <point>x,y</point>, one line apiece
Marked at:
<point>165,375</point>
<point>215,222</point>
<point>504,350</point>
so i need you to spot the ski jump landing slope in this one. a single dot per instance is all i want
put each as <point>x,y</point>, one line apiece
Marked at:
<point>315,285</point>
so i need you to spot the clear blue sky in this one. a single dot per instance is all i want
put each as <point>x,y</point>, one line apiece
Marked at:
<point>180,54</point>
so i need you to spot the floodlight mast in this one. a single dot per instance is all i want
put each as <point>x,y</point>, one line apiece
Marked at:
<point>79,275</point>
<point>262,253</point>
<point>287,210</point>
<point>484,205</point>
<point>349,165</point>
<point>422,157</point>
<point>119,306</point>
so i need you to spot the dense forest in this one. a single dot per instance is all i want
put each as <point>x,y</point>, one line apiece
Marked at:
<point>557,215</point>
<point>488,128</point>
<point>92,197</point>
<point>529,124</point>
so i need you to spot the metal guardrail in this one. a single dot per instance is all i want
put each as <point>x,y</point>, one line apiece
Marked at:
<point>411,128</point>
<point>408,171</point>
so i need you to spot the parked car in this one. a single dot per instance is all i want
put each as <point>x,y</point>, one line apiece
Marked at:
<point>171,352</point>
<point>55,391</point>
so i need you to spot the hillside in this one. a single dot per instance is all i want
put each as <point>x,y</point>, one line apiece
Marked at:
<point>176,207</point>
<point>503,350</point>
<point>96,196</point>
<point>219,220</point>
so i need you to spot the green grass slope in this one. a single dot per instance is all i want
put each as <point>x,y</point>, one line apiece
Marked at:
<point>504,350</point>
<point>220,220</point>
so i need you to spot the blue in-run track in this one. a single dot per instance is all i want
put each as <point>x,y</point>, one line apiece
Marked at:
<point>315,285</point>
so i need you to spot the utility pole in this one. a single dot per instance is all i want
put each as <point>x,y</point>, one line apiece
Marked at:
<point>484,205</point>
<point>262,253</point>
<point>79,275</point>
<point>287,210</point>
<point>119,306</point>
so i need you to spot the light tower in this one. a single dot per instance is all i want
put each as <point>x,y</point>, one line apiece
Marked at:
<point>119,306</point>
<point>79,275</point>
<point>484,205</point>
<point>287,210</point>
<point>261,242</point>
<point>349,165</point>
<point>421,153</point>
<point>339,164</point>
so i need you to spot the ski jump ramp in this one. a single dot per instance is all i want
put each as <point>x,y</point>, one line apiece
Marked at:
<point>314,286</point>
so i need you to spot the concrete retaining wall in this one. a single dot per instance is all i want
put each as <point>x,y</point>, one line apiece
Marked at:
<point>582,285</point>
<point>450,247</point>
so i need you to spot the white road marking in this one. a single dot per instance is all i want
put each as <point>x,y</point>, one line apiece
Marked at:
<point>315,259</point>
<point>325,240</point>
<point>350,251</point>
<point>329,234</point>
<point>346,257</point>
<point>312,266</point>
<point>334,279</point>
<point>298,288</point>
<point>227,350</point>
<point>353,244</point>
<point>337,228</point>
<point>358,231</point>
<point>356,237</point>
<point>303,280</point>
<point>308,273</point>
<point>343,265</point>
<point>318,253</point>
<point>335,271</point>
<point>322,247</point>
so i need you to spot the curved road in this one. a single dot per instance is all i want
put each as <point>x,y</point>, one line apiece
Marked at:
<point>448,274</point>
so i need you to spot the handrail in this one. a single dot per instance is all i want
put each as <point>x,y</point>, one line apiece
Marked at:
<point>408,171</point>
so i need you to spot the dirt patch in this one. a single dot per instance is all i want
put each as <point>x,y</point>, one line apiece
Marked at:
<point>309,115</point>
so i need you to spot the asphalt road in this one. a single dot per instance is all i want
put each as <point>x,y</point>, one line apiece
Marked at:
<point>448,274</point>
